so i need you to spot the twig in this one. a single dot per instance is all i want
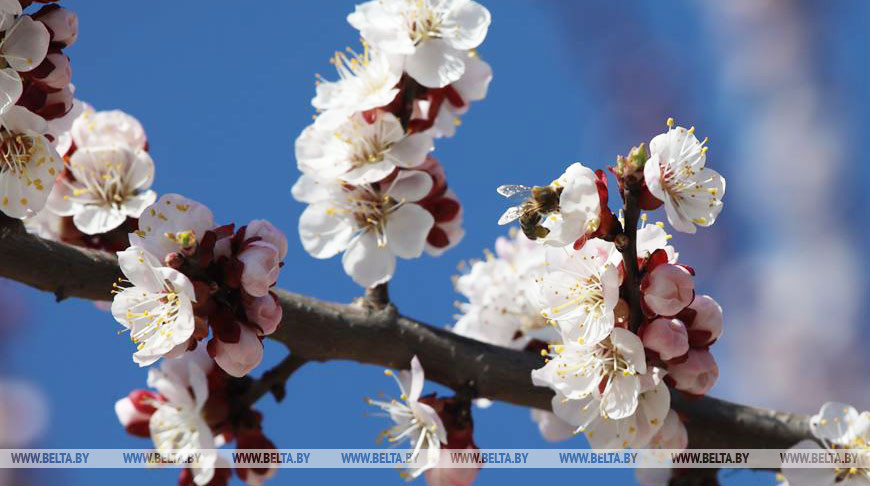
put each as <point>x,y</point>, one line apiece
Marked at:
<point>274,380</point>
<point>628,246</point>
<point>377,297</point>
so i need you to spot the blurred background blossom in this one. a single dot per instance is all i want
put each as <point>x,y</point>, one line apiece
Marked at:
<point>780,87</point>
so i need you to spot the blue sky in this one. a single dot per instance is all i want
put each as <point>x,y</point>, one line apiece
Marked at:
<point>223,92</point>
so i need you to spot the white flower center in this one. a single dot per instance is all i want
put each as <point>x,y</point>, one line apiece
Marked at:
<point>587,293</point>
<point>106,184</point>
<point>424,22</point>
<point>159,318</point>
<point>177,429</point>
<point>19,154</point>
<point>364,149</point>
<point>603,361</point>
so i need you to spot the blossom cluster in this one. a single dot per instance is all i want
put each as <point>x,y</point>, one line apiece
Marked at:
<point>429,423</point>
<point>36,102</point>
<point>559,287</point>
<point>195,407</point>
<point>189,278</point>
<point>373,191</point>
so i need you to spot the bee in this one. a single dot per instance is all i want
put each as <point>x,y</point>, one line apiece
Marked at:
<point>537,203</point>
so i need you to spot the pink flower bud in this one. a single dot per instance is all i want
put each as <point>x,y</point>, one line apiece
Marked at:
<point>174,260</point>
<point>696,375</point>
<point>239,358</point>
<point>444,475</point>
<point>261,262</point>
<point>54,73</point>
<point>667,337</point>
<point>134,411</point>
<point>55,104</point>
<point>707,325</point>
<point>255,440</point>
<point>62,24</point>
<point>668,289</point>
<point>265,312</point>
<point>672,435</point>
<point>270,234</point>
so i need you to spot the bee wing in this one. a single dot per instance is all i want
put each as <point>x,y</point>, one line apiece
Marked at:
<point>510,215</point>
<point>514,191</point>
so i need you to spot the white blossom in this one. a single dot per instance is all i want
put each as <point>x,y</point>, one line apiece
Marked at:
<point>609,372</point>
<point>178,424</point>
<point>366,81</point>
<point>372,224</point>
<point>415,421</point>
<point>676,174</point>
<point>839,428</point>
<point>111,183</point>
<point>107,128</point>
<point>502,295</point>
<point>581,289</point>
<point>173,223</point>
<point>157,307</point>
<point>433,34</point>
<point>28,163</point>
<point>360,151</point>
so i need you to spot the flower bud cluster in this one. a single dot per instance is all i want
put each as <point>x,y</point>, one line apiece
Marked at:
<point>192,280</point>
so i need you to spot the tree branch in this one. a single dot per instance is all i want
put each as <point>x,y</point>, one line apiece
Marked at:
<point>274,379</point>
<point>317,330</point>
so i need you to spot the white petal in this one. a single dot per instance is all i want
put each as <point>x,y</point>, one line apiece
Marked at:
<point>417,379</point>
<point>630,348</point>
<point>94,219</point>
<point>410,186</point>
<point>435,64</point>
<point>325,231</point>
<point>406,230</point>
<point>309,190</point>
<point>411,151</point>
<point>140,174</point>
<point>833,422</point>
<point>809,476</point>
<point>366,263</point>
<point>138,266</point>
<point>468,25</point>
<point>10,88</point>
<point>135,206</point>
<point>474,83</point>
<point>369,173</point>
<point>621,396</point>
<point>26,44</point>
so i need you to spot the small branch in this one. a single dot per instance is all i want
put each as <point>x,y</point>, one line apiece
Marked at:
<point>627,244</point>
<point>274,380</point>
<point>377,297</point>
<point>317,330</point>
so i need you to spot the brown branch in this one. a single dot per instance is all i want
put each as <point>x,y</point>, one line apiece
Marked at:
<point>377,297</point>
<point>317,330</point>
<point>627,244</point>
<point>274,379</point>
